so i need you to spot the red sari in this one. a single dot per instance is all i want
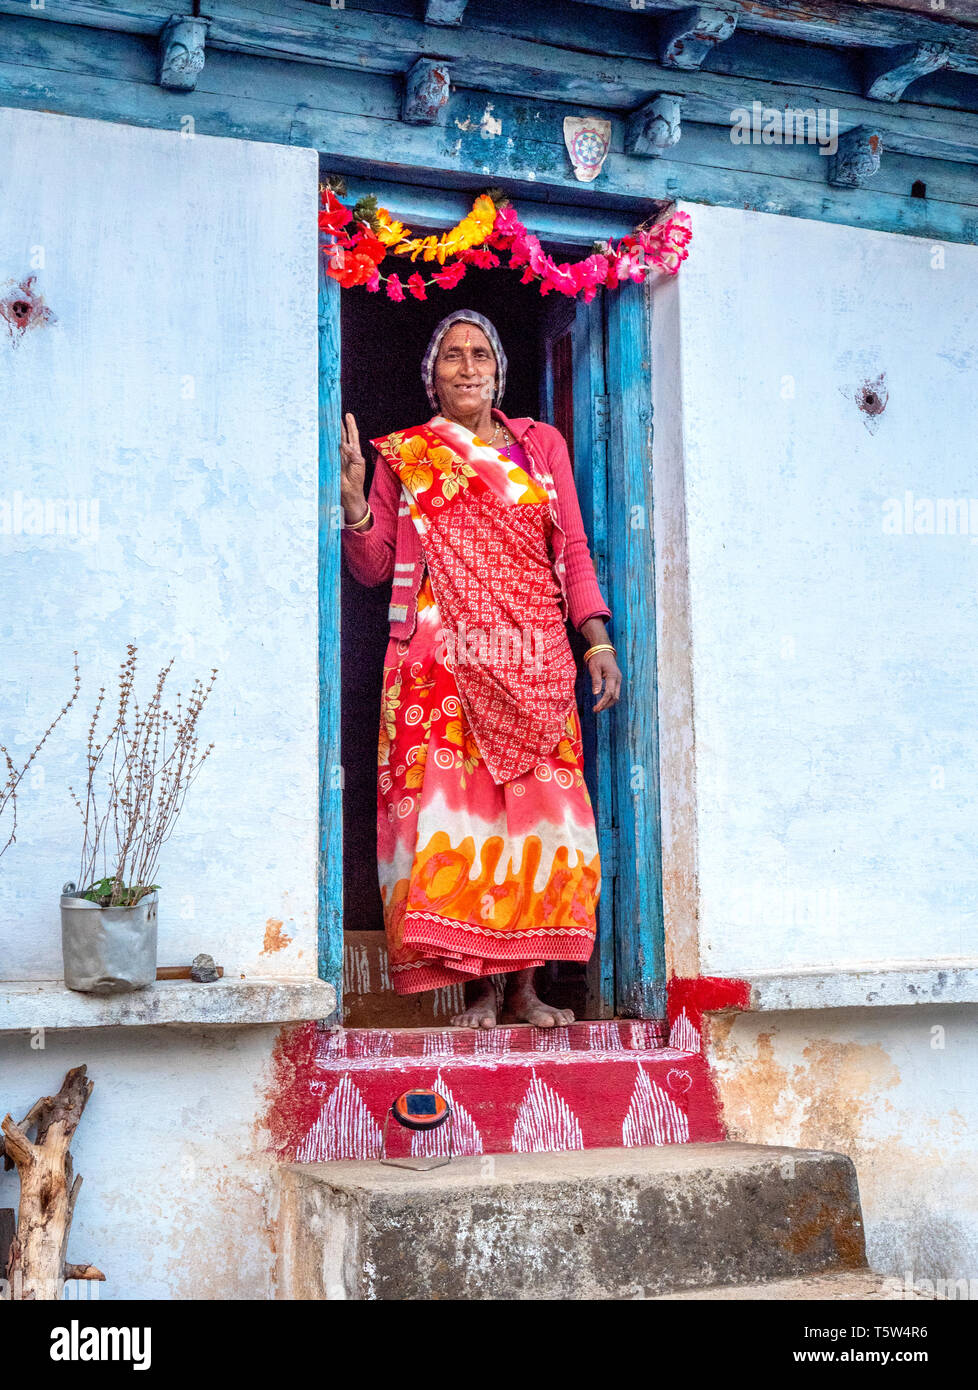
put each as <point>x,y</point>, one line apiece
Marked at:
<point>487,848</point>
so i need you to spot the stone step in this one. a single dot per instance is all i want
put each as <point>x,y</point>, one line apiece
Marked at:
<point>510,1092</point>
<point>845,1286</point>
<point>603,1224</point>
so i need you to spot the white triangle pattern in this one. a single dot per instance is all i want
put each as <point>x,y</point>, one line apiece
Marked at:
<point>466,1139</point>
<point>344,1128</point>
<point>653,1116</point>
<point>683,1035</point>
<point>545,1123</point>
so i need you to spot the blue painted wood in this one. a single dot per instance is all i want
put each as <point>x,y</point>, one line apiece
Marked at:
<point>444,11</point>
<point>480,58</point>
<point>654,127</point>
<point>590,455</point>
<point>692,35</point>
<point>182,53</point>
<point>830,23</point>
<point>330,521</point>
<point>892,70</point>
<point>582,324</point>
<point>226,103</point>
<point>426,90</point>
<point>639,923</point>
<point>389,148</point>
<point>857,159</point>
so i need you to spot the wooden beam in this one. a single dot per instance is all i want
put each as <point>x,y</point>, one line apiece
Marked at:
<point>181,58</point>
<point>833,23</point>
<point>891,70</point>
<point>857,160</point>
<point>654,127</point>
<point>690,36</point>
<point>444,11</point>
<point>426,90</point>
<point>358,40</point>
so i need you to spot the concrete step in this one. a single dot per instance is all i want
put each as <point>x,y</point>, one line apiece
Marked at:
<point>607,1223</point>
<point>845,1286</point>
<point>512,1090</point>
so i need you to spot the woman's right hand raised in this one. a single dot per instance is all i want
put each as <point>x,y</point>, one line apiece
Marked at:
<point>353,474</point>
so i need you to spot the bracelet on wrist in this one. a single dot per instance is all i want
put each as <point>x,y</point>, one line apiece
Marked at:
<point>600,647</point>
<point>359,525</point>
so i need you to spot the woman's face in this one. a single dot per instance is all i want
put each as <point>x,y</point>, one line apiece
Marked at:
<point>465,370</point>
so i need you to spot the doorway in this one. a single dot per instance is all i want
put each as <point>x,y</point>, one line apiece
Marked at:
<point>566,361</point>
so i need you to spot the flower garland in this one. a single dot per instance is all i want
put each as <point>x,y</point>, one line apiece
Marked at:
<point>354,257</point>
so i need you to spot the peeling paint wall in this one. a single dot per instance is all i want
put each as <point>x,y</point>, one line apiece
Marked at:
<point>177,394</point>
<point>177,390</point>
<point>817,666</point>
<point>892,1088</point>
<point>817,659</point>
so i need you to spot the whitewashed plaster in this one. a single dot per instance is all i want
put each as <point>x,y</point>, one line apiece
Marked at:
<point>817,674</point>
<point>178,390</point>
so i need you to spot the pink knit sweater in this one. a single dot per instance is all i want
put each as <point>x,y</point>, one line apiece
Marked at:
<point>391,548</point>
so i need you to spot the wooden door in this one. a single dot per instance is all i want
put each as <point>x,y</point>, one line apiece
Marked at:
<point>596,388</point>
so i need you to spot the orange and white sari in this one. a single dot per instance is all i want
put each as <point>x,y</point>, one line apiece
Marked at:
<point>486,842</point>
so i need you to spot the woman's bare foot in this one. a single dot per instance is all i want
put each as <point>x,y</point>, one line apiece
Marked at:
<point>523,1001</point>
<point>480,1001</point>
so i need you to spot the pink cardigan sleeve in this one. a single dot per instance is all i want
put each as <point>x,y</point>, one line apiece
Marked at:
<point>370,553</point>
<point>584,597</point>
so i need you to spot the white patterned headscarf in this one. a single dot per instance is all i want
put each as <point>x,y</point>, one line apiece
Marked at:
<point>428,364</point>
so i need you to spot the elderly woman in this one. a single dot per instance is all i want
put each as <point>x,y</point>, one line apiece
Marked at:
<point>486,843</point>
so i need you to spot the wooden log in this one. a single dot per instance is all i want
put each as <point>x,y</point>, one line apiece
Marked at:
<point>49,1189</point>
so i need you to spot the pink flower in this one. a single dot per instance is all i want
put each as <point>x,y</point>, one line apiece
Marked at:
<point>416,286</point>
<point>373,284</point>
<point>449,276</point>
<point>478,255</point>
<point>394,290</point>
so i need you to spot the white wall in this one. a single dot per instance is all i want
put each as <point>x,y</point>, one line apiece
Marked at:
<point>178,391</point>
<point>892,1088</point>
<point>827,815</point>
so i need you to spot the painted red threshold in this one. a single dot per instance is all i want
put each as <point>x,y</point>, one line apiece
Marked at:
<point>519,1100</point>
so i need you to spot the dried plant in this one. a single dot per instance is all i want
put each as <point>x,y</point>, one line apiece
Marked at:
<point>137,777</point>
<point>8,792</point>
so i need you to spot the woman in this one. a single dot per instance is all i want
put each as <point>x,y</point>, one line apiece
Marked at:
<point>486,844</point>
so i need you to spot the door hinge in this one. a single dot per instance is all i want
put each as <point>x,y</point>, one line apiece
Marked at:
<point>602,418</point>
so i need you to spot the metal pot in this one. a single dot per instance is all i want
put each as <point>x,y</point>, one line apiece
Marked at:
<point>107,950</point>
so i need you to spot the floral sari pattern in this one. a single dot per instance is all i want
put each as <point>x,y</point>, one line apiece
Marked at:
<point>480,873</point>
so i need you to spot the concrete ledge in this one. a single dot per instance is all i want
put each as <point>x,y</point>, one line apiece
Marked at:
<point>27,1004</point>
<point>954,981</point>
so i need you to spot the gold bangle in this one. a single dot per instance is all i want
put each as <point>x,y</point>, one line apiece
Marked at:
<point>599,647</point>
<point>359,525</point>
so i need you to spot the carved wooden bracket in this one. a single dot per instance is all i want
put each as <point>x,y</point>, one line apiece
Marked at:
<point>654,127</point>
<point>426,89</point>
<point>690,35</point>
<point>181,53</point>
<point>857,158</point>
<point>891,70</point>
<point>444,11</point>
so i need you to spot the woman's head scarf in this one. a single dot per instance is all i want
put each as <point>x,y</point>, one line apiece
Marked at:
<point>462,316</point>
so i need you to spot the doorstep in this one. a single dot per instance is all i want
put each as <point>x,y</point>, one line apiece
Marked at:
<point>33,1004</point>
<point>603,1224</point>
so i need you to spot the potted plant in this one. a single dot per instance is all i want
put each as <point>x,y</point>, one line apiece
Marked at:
<point>137,777</point>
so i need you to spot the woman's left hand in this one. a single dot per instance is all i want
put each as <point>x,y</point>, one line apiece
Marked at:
<point>605,672</point>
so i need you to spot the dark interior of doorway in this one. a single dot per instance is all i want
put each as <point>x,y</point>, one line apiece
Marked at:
<point>382,346</point>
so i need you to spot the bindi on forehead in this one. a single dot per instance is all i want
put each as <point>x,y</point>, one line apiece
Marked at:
<point>465,335</point>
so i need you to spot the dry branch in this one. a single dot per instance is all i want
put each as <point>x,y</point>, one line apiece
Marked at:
<point>36,1265</point>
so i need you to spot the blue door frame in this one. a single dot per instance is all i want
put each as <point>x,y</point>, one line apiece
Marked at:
<point>612,429</point>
